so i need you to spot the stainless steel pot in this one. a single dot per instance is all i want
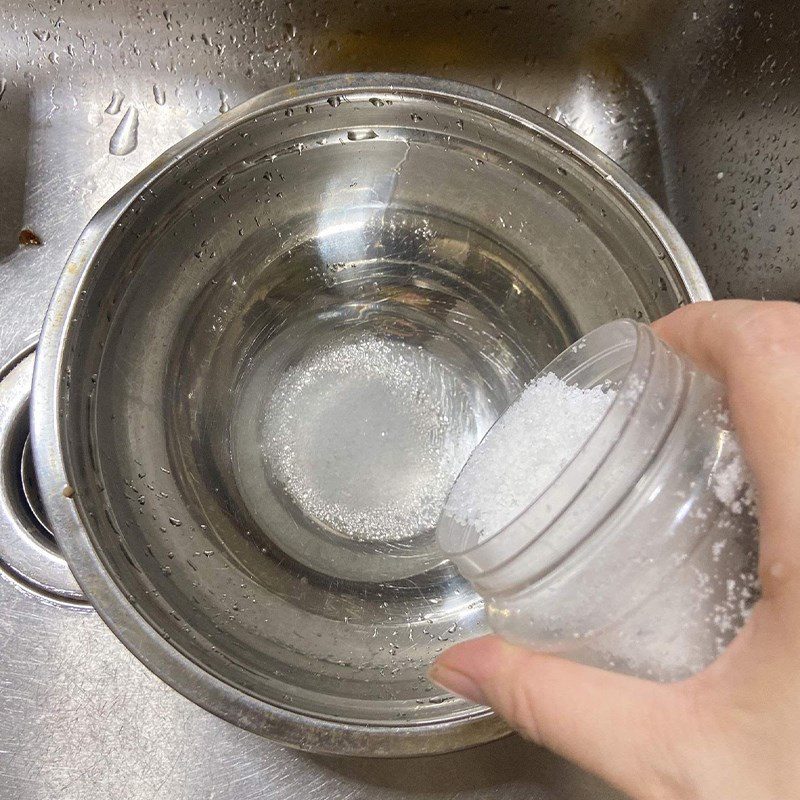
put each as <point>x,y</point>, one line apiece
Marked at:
<point>319,273</point>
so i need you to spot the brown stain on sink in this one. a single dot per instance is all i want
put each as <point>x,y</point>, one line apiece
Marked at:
<point>429,54</point>
<point>27,238</point>
<point>432,38</point>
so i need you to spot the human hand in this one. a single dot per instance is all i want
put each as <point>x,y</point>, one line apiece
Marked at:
<point>733,731</point>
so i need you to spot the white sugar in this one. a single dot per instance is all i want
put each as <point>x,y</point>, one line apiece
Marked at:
<point>525,451</point>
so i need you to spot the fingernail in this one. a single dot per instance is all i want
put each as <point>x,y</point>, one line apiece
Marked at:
<point>457,683</point>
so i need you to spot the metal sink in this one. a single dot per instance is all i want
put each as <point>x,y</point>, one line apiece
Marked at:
<point>697,100</point>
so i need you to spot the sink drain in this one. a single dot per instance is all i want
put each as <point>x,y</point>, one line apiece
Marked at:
<point>30,489</point>
<point>28,550</point>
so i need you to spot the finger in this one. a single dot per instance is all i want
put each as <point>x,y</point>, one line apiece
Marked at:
<point>754,347</point>
<point>610,724</point>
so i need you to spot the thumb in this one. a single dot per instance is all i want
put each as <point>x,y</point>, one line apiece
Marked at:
<point>616,726</point>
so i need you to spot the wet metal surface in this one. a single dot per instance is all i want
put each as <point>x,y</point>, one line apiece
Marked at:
<point>698,101</point>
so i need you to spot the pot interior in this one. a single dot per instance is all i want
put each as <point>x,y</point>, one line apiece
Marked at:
<point>286,348</point>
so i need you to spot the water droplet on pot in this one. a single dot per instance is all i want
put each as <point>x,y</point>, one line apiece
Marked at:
<point>361,135</point>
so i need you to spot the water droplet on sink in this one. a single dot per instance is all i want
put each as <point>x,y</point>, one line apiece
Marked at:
<point>126,136</point>
<point>3,85</point>
<point>175,521</point>
<point>223,103</point>
<point>159,95</point>
<point>335,101</point>
<point>116,102</point>
<point>42,36</point>
<point>376,101</point>
<point>416,118</point>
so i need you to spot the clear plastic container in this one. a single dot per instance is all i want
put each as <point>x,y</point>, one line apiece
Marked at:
<point>641,555</point>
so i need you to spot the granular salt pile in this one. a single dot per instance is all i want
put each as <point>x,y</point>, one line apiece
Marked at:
<point>732,482</point>
<point>525,451</point>
<point>367,435</point>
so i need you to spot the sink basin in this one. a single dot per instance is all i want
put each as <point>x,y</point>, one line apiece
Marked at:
<point>695,100</point>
